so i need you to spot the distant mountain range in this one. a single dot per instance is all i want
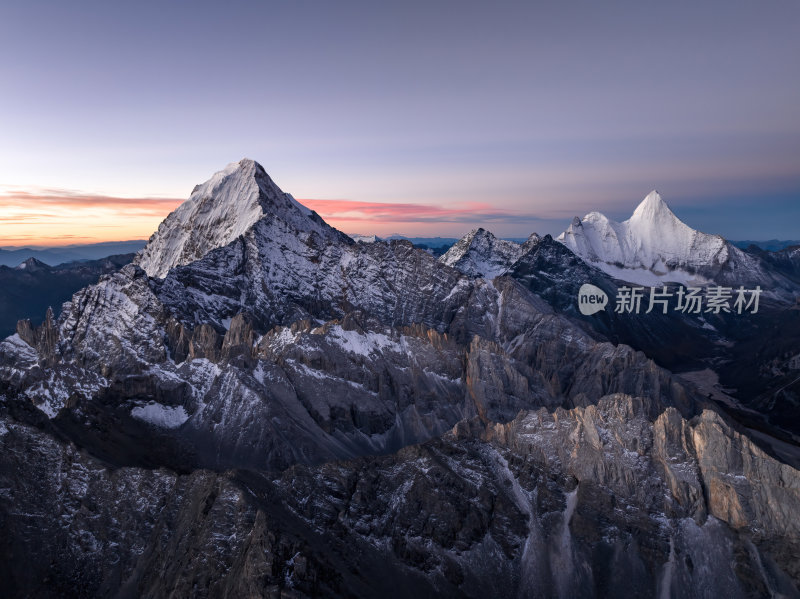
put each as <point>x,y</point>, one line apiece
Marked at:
<point>436,246</point>
<point>53,256</point>
<point>441,244</point>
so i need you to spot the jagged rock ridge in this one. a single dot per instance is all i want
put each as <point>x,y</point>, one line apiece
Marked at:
<point>481,254</point>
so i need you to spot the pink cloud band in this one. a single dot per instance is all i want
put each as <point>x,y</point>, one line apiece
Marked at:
<point>359,211</point>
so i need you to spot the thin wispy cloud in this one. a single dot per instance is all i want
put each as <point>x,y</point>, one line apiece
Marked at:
<point>53,199</point>
<point>383,212</point>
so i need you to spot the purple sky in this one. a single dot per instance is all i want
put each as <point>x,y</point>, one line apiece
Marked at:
<point>539,110</point>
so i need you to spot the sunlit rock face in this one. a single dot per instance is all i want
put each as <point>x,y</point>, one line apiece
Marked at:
<point>222,209</point>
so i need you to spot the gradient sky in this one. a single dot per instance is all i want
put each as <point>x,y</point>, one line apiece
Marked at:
<point>511,115</point>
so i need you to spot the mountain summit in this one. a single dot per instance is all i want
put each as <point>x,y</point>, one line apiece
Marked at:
<point>652,207</point>
<point>481,254</point>
<point>32,265</point>
<point>652,246</point>
<point>219,211</point>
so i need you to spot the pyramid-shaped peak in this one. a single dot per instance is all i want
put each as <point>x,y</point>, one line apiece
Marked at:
<point>481,254</point>
<point>244,171</point>
<point>476,237</point>
<point>250,168</point>
<point>32,264</point>
<point>652,206</point>
<point>244,164</point>
<point>220,210</point>
<point>533,237</point>
<point>533,241</point>
<point>652,245</point>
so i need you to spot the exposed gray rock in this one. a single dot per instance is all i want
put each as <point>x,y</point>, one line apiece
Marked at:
<point>239,340</point>
<point>205,343</point>
<point>26,332</point>
<point>179,339</point>
<point>591,502</point>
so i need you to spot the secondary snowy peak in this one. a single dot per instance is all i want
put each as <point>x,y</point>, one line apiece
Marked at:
<point>652,246</point>
<point>220,210</point>
<point>481,254</point>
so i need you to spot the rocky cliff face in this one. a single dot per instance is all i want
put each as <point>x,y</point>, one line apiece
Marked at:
<point>289,412</point>
<point>594,501</point>
<point>785,261</point>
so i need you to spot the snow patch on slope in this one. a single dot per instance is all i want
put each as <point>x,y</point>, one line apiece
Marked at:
<point>367,344</point>
<point>160,415</point>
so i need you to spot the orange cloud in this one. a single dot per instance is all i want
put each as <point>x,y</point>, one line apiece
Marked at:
<point>58,198</point>
<point>60,217</point>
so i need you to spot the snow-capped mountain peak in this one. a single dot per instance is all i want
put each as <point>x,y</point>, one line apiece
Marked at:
<point>220,210</point>
<point>480,254</point>
<point>530,243</point>
<point>652,246</point>
<point>653,207</point>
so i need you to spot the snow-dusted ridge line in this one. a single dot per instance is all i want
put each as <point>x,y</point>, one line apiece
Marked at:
<point>480,254</point>
<point>219,211</point>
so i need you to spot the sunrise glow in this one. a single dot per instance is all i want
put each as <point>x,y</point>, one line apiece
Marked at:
<point>49,217</point>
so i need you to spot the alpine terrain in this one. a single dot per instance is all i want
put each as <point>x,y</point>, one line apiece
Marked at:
<point>653,247</point>
<point>259,406</point>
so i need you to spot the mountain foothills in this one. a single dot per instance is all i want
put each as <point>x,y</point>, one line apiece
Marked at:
<point>259,405</point>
